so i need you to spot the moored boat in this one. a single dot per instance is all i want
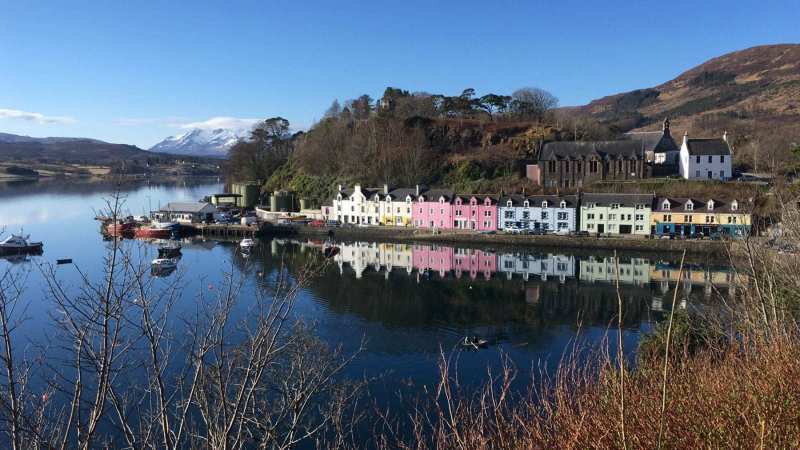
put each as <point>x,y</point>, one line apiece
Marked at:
<point>119,228</point>
<point>164,263</point>
<point>247,244</point>
<point>16,244</point>
<point>169,251</point>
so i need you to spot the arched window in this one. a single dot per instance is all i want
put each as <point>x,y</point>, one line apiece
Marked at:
<point>689,206</point>
<point>544,204</point>
<point>526,203</point>
<point>509,203</point>
<point>665,206</point>
<point>734,205</point>
<point>563,204</point>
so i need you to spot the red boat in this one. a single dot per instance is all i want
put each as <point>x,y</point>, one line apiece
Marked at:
<point>152,232</point>
<point>119,228</point>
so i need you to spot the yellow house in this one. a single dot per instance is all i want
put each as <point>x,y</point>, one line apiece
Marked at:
<point>395,206</point>
<point>693,218</point>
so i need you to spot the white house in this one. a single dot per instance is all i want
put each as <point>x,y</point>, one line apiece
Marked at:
<point>706,159</point>
<point>357,206</point>
<point>543,266</point>
<point>537,213</point>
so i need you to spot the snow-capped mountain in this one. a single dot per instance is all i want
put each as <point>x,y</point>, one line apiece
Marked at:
<point>200,142</point>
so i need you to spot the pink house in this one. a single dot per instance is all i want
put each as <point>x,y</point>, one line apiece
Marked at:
<point>475,212</point>
<point>474,262</point>
<point>433,210</point>
<point>432,257</point>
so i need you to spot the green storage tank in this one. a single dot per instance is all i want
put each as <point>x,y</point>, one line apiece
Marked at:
<point>303,204</point>
<point>249,192</point>
<point>284,201</point>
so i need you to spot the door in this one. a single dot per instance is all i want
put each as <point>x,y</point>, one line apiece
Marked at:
<point>601,228</point>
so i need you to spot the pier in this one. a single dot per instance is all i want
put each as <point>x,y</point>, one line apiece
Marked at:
<point>226,230</point>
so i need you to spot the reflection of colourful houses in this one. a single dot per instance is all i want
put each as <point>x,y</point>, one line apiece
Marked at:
<point>473,262</point>
<point>633,271</point>
<point>433,210</point>
<point>544,266</point>
<point>394,256</point>
<point>475,212</point>
<point>433,258</point>
<point>361,256</point>
<point>691,217</point>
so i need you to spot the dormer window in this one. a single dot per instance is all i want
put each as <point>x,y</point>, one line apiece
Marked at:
<point>689,206</point>
<point>509,203</point>
<point>526,203</point>
<point>665,206</point>
<point>473,202</point>
<point>710,205</point>
<point>734,205</point>
<point>487,202</point>
<point>614,206</point>
<point>563,204</point>
<point>441,199</point>
<point>544,204</point>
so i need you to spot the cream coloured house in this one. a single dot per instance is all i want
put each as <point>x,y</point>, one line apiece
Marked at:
<point>616,214</point>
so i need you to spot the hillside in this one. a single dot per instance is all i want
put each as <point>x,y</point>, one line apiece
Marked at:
<point>58,155</point>
<point>753,93</point>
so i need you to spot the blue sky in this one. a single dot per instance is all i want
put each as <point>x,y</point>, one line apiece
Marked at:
<point>136,72</point>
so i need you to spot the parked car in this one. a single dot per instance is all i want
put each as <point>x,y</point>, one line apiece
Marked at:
<point>334,223</point>
<point>316,223</point>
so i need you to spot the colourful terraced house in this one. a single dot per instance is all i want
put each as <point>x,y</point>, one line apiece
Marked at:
<point>433,209</point>
<point>694,218</point>
<point>475,212</point>
<point>616,214</point>
<point>538,213</point>
<point>395,206</point>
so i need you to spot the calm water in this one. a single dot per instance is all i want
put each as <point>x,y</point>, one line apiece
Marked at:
<point>406,301</point>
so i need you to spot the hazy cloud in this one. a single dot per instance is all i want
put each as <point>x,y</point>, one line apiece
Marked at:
<point>34,117</point>
<point>137,121</point>
<point>221,122</point>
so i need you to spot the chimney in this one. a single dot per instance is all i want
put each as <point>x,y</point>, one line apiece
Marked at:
<point>725,136</point>
<point>340,188</point>
<point>385,189</point>
<point>417,190</point>
<point>685,137</point>
<point>665,127</point>
<point>357,187</point>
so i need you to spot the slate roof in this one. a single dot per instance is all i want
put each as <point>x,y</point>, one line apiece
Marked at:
<point>480,197</point>
<point>190,207</point>
<point>434,194</point>
<point>402,193</point>
<point>606,150</point>
<point>654,141</point>
<point>623,199</point>
<point>536,200</point>
<point>678,205</point>
<point>707,147</point>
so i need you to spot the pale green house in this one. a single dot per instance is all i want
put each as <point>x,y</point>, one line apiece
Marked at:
<point>616,214</point>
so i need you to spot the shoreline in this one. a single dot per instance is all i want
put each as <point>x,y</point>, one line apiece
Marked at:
<point>712,249</point>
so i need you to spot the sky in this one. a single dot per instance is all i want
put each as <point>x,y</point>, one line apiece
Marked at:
<point>137,72</point>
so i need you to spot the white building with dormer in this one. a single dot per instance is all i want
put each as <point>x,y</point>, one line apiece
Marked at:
<point>706,159</point>
<point>357,205</point>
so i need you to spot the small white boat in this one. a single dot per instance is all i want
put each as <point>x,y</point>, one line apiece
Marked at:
<point>18,244</point>
<point>164,263</point>
<point>247,244</point>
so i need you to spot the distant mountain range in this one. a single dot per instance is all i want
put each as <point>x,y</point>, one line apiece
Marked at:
<point>197,142</point>
<point>756,84</point>
<point>73,150</point>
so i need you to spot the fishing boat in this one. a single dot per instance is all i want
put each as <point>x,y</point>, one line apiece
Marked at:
<point>247,244</point>
<point>119,228</point>
<point>164,263</point>
<point>17,244</point>
<point>152,232</point>
<point>169,251</point>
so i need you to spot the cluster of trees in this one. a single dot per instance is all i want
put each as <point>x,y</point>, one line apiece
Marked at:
<point>268,148</point>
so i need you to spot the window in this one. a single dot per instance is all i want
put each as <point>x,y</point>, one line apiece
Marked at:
<point>734,205</point>
<point>612,217</point>
<point>709,219</point>
<point>665,206</point>
<point>687,219</point>
<point>721,174</point>
<point>615,206</point>
<point>526,215</point>
<point>722,158</point>
<point>710,205</point>
<point>710,176</point>
<point>593,166</point>
<point>562,216</point>
<point>551,166</point>
<point>508,203</point>
<point>544,215</point>
<point>689,206</point>
<point>487,213</point>
<point>667,218</point>
<point>590,216</point>
<point>590,226</point>
<point>640,217</point>
<point>639,227</point>
<point>697,174</point>
<point>506,214</point>
<point>697,160</point>
<point>563,204</point>
<point>710,159</point>
<point>526,203</point>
